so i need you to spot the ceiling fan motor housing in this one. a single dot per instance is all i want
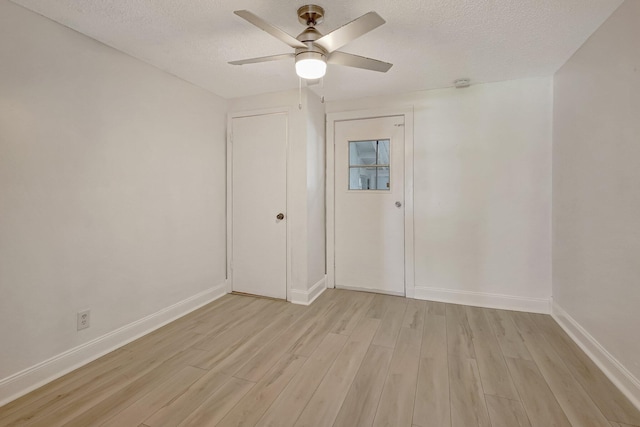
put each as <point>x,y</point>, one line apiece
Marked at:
<point>308,36</point>
<point>311,62</point>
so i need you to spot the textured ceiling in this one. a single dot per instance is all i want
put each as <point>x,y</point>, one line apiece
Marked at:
<point>430,42</point>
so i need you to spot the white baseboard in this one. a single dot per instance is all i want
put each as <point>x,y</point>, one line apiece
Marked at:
<point>482,299</point>
<point>373,291</point>
<point>44,372</point>
<point>410,292</point>
<point>613,369</point>
<point>307,297</point>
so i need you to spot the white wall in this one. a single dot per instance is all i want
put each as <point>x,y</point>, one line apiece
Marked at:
<point>305,184</point>
<point>596,194</point>
<point>316,224</point>
<point>112,186</point>
<point>482,191</point>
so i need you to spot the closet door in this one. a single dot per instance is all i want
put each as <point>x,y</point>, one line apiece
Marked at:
<point>258,151</point>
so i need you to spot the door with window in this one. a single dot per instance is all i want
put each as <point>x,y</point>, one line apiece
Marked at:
<point>369,204</point>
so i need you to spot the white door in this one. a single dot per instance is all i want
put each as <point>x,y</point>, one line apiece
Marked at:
<point>369,204</point>
<point>258,195</point>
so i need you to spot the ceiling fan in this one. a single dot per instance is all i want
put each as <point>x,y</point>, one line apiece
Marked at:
<point>312,49</point>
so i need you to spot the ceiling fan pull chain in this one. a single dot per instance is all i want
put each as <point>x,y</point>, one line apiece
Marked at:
<point>300,93</point>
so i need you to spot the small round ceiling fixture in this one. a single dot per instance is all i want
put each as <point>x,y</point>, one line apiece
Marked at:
<point>462,83</point>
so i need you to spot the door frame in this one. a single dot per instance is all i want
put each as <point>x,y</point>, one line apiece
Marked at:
<point>229,196</point>
<point>409,255</point>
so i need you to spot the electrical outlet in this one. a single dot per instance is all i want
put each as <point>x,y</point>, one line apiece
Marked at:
<point>84,319</point>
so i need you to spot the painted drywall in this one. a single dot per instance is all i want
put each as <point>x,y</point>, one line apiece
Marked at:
<point>482,191</point>
<point>305,182</point>
<point>596,181</point>
<point>316,224</point>
<point>112,189</point>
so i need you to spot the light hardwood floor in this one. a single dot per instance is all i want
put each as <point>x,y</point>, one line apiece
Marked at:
<point>350,359</point>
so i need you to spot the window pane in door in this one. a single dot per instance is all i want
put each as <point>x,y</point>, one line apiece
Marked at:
<point>383,152</point>
<point>371,178</point>
<point>382,178</point>
<point>362,153</point>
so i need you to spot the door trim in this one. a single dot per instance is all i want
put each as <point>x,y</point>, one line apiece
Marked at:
<point>409,256</point>
<point>229,196</point>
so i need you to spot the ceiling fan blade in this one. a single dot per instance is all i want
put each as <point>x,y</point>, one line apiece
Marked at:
<point>274,31</point>
<point>341,58</point>
<point>351,31</point>
<point>263,59</point>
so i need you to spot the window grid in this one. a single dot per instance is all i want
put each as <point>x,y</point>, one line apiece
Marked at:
<point>376,166</point>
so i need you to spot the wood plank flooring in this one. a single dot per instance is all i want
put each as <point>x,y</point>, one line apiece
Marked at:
<point>350,359</point>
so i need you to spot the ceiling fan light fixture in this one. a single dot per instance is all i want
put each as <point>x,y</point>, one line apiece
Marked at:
<point>313,50</point>
<point>311,65</point>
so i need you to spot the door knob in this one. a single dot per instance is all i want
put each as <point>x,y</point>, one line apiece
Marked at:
<point>280,216</point>
<point>398,204</point>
